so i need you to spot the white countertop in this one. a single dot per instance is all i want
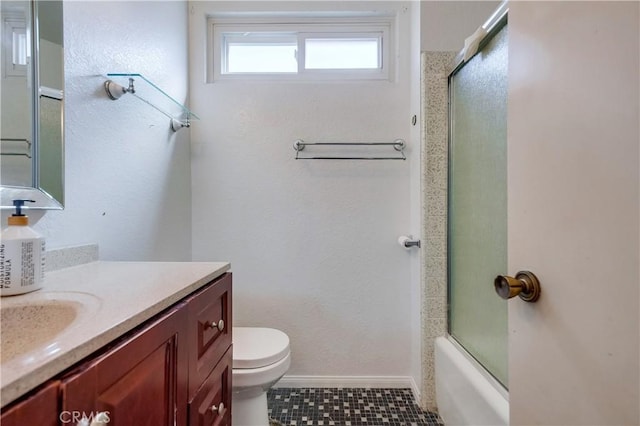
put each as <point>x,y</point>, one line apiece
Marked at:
<point>109,299</point>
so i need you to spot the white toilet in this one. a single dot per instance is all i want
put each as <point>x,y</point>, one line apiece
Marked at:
<point>261,356</point>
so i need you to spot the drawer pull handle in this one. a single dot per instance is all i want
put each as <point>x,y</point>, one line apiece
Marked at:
<point>218,409</point>
<point>219,325</point>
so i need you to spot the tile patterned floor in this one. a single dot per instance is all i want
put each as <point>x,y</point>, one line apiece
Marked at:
<point>347,407</point>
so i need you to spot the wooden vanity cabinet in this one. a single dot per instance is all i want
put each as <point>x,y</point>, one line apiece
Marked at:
<point>175,369</point>
<point>141,381</point>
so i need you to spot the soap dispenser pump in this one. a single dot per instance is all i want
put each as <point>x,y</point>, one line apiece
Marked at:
<point>21,255</point>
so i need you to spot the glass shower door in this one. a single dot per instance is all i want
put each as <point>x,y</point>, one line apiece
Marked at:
<point>477,224</point>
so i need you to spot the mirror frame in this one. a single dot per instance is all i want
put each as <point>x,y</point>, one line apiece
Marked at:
<point>43,200</point>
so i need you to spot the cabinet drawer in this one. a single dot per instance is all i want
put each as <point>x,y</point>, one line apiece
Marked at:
<point>209,322</point>
<point>212,404</point>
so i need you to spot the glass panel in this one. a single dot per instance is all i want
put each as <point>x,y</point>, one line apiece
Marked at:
<point>262,58</point>
<point>19,46</point>
<point>16,154</point>
<point>153,95</point>
<point>32,125</point>
<point>50,148</point>
<point>268,53</point>
<point>478,205</point>
<point>342,53</point>
<point>15,162</point>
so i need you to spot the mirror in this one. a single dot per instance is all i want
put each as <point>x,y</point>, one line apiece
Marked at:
<point>32,62</point>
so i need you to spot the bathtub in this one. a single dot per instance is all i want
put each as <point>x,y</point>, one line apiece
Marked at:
<point>465,393</point>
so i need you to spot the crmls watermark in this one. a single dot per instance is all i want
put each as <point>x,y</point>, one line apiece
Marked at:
<point>82,418</point>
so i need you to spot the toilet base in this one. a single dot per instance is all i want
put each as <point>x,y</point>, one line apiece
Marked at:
<point>250,409</point>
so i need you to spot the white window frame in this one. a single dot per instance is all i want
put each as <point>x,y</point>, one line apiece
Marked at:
<point>302,29</point>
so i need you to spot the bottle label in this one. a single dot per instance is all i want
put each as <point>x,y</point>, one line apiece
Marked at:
<point>21,263</point>
<point>6,267</point>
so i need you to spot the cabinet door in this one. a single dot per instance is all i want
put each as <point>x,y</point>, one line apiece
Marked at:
<point>141,381</point>
<point>209,338</point>
<point>39,409</point>
<point>212,404</point>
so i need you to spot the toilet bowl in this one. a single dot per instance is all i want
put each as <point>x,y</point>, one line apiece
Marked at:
<point>261,356</point>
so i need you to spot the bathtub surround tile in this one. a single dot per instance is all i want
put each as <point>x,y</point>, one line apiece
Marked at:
<point>438,63</point>
<point>438,150</point>
<point>437,247</point>
<point>436,327</point>
<point>436,309</point>
<point>347,406</point>
<point>435,70</point>
<point>436,227</point>
<point>436,177</point>
<point>437,287</point>
<point>436,267</point>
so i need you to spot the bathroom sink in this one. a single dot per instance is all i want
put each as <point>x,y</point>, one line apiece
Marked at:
<point>36,325</point>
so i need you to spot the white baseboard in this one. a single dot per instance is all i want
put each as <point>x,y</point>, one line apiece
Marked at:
<point>416,391</point>
<point>290,381</point>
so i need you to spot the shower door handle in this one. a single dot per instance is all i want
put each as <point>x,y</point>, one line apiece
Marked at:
<point>525,285</point>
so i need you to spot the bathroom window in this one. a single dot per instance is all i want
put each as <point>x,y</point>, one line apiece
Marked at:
<point>259,53</point>
<point>307,50</point>
<point>15,45</point>
<point>343,52</point>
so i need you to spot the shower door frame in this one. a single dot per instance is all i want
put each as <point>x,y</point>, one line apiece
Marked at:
<point>493,26</point>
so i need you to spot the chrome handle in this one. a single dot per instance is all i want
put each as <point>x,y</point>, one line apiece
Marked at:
<point>219,325</point>
<point>525,285</point>
<point>220,409</point>
<point>407,241</point>
<point>412,243</point>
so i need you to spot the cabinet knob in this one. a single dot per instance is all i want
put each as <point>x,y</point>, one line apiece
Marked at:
<point>220,409</point>
<point>219,325</point>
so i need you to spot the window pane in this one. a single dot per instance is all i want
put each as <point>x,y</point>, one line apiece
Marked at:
<point>342,53</point>
<point>261,58</point>
<point>19,46</point>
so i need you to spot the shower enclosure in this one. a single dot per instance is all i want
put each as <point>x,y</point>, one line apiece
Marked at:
<point>477,222</point>
<point>472,362</point>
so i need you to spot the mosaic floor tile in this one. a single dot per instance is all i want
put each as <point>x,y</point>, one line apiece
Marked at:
<point>347,407</point>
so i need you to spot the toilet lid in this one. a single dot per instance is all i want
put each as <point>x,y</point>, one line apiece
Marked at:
<point>255,347</point>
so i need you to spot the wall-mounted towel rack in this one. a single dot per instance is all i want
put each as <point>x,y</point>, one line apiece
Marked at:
<point>398,145</point>
<point>10,149</point>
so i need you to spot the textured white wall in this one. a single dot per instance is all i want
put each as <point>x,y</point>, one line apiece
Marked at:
<point>415,201</point>
<point>127,174</point>
<point>312,243</point>
<point>445,24</point>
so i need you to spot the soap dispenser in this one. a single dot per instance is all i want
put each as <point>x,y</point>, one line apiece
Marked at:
<point>21,255</point>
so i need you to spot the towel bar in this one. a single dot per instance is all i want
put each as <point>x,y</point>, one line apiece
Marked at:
<point>398,145</point>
